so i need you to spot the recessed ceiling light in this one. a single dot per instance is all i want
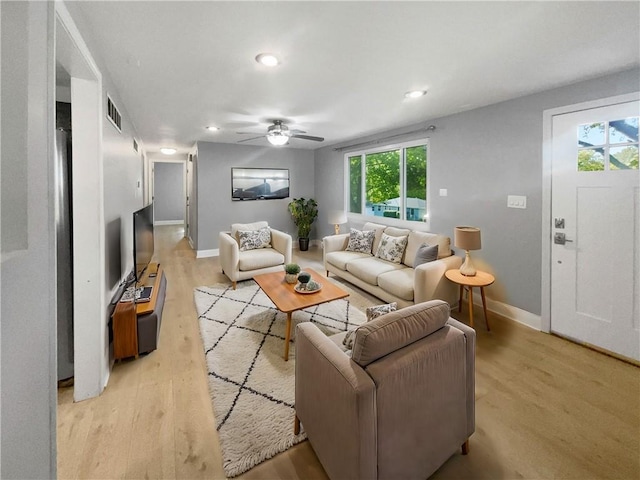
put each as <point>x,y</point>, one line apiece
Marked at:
<point>168,151</point>
<point>212,129</point>
<point>267,59</point>
<point>415,93</point>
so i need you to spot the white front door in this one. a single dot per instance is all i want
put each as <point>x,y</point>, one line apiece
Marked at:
<point>595,228</point>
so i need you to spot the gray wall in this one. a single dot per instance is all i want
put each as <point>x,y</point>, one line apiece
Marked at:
<point>168,192</point>
<point>193,199</point>
<point>216,211</point>
<point>480,157</point>
<point>27,330</point>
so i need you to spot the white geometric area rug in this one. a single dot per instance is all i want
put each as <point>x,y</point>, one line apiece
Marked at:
<point>251,386</point>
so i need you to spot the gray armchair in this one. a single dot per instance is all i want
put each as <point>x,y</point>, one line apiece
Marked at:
<point>400,405</point>
<point>241,265</point>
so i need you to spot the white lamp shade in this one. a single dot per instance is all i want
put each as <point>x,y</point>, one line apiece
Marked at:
<point>337,217</point>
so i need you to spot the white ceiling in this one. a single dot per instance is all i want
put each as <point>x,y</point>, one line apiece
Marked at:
<point>180,66</point>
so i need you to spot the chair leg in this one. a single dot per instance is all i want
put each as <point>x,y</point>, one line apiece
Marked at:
<point>296,425</point>
<point>235,284</point>
<point>465,447</point>
<point>327,273</point>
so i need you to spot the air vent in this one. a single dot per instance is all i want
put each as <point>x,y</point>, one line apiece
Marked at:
<point>135,145</point>
<point>114,115</point>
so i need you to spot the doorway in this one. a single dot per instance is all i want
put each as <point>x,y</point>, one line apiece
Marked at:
<point>594,222</point>
<point>90,331</point>
<point>169,185</point>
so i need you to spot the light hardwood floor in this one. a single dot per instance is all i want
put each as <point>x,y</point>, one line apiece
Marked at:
<point>545,408</point>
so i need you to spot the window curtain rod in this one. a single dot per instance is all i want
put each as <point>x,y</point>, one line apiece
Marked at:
<point>430,128</point>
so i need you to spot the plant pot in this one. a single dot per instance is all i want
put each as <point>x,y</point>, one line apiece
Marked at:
<point>304,244</point>
<point>291,277</point>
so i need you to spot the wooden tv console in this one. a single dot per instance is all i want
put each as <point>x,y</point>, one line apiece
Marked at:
<point>136,326</point>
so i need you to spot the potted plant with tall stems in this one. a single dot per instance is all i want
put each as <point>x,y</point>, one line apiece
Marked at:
<point>304,213</point>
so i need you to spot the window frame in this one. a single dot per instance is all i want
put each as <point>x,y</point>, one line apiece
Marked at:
<point>402,146</point>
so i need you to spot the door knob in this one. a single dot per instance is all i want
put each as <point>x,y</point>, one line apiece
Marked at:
<point>560,239</point>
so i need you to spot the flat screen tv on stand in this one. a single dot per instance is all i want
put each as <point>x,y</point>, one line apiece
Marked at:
<point>142,240</point>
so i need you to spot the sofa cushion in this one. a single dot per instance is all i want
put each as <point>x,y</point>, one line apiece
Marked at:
<point>372,312</point>
<point>392,331</point>
<point>253,239</point>
<point>379,310</point>
<point>425,254</point>
<point>391,248</point>
<point>360,241</point>
<point>341,258</point>
<point>260,258</point>
<point>398,283</point>
<point>368,269</point>
<point>397,232</point>
<point>378,228</point>
<point>416,239</point>
<point>246,226</point>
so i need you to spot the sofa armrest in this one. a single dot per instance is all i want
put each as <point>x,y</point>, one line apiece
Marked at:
<point>229,255</point>
<point>281,242</point>
<point>430,282</point>
<point>334,243</point>
<point>336,403</point>
<point>470,335</point>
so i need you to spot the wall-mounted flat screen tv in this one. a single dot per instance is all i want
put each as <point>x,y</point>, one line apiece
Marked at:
<point>259,183</point>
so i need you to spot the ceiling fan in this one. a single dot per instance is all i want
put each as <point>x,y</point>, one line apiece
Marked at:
<point>279,134</point>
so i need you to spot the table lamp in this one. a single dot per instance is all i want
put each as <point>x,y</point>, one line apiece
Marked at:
<point>336,218</point>
<point>467,238</point>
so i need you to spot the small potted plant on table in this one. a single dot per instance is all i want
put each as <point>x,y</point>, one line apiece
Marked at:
<point>291,272</point>
<point>304,213</point>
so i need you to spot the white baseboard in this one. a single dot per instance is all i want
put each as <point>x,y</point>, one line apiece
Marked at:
<point>190,243</point>
<point>516,314</point>
<point>168,222</point>
<point>214,252</point>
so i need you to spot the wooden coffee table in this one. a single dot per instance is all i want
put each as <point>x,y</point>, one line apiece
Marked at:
<point>287,300</point>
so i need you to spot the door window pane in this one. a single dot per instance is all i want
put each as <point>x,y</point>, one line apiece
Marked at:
<point>623,131</point>
<point>623,158</point>
<point>382,176</point>
<point>416,191</point>
<point>355,184</point>
<point>591,134</point>
<point>590,160</point>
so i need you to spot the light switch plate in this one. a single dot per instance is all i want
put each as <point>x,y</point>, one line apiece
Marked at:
<point>443,192</point>
<point>516,201</point>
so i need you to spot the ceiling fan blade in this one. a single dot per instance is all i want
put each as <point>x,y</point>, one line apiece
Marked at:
<point>309,137</point>
<point>249,139</point>
<point>246,133</point>
<point>295,132</point>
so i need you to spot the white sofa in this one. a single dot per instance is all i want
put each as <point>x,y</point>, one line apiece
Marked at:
<point>393,282</point>
<point>241,265</point>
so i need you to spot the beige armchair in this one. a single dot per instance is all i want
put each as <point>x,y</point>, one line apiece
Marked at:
<point>241,265</point>
<point>400,405</point>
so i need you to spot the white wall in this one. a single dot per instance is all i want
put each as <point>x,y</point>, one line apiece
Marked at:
<point>27,274</point>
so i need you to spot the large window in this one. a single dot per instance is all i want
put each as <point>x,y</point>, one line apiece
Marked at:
<point>389,182</point>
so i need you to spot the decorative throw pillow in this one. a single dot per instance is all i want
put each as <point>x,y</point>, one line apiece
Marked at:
<point>391,248</point>
<point>253,239</point>
<point>372,312</point>
<point>425,254</point>
<point>379,310</point>
<point>361,241</point>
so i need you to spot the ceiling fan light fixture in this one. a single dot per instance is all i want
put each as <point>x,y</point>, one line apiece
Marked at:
<point>211,128</point>
<point>168,151</point>
<point>267,59</point>
<point>415,93</point>
<point>278,140</point>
